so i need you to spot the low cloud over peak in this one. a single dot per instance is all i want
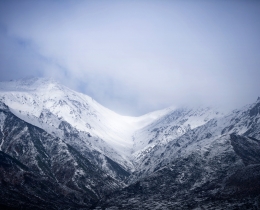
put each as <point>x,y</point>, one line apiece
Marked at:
<point>135,57</point>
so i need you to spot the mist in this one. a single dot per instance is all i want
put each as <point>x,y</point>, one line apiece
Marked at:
<point>137,56</point>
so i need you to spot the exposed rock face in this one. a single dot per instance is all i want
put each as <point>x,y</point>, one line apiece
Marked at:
<point>40,169</point>
<point>196,181</point>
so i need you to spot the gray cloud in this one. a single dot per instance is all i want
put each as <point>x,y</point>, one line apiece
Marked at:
<point>137,56</point>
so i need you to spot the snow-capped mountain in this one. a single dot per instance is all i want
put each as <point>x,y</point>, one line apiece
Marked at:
<point>84,149</point>
<point>213,166</point>
<point>48,105</point>
<point>185,131</point>
<point>45,169</point>
<point>169,127</point>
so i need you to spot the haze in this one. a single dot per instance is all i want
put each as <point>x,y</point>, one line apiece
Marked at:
<point>137,56</point>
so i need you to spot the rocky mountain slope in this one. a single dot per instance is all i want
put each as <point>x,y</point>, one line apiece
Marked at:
<point>213,166</point>
<point>50,105</point>
<point>57,144</point>
<point>36,165</point>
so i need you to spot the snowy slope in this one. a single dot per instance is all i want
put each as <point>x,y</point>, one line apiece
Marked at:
<point>177,155</point>
<point>214,165</point>
<point>46,104</point>
<point>210,139</point>
<point>126,140</point>
<point>43,167</point>
<point>171,126</point>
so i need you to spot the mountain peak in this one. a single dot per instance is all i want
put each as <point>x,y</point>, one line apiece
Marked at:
<point>28,84</point>
<point>36,81</point>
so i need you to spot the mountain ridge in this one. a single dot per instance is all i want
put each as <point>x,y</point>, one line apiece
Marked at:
<point>198,156</point>
<point>67,105</point>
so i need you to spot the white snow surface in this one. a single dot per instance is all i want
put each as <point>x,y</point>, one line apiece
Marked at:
<point>171,126</point>
<point>2,119</point>
<point>30,98</point>
<point>45,103</point>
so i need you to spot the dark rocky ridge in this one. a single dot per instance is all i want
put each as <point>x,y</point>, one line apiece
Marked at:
<point>41,171</point>
<point>185,184</point>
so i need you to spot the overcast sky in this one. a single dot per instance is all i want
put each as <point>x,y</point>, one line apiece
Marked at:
<point>137,56</point>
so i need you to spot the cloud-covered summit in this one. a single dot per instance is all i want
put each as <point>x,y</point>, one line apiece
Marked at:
<point>135,57</point>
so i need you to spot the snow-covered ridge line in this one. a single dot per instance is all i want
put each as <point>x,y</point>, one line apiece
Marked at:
<point>45,103</point>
